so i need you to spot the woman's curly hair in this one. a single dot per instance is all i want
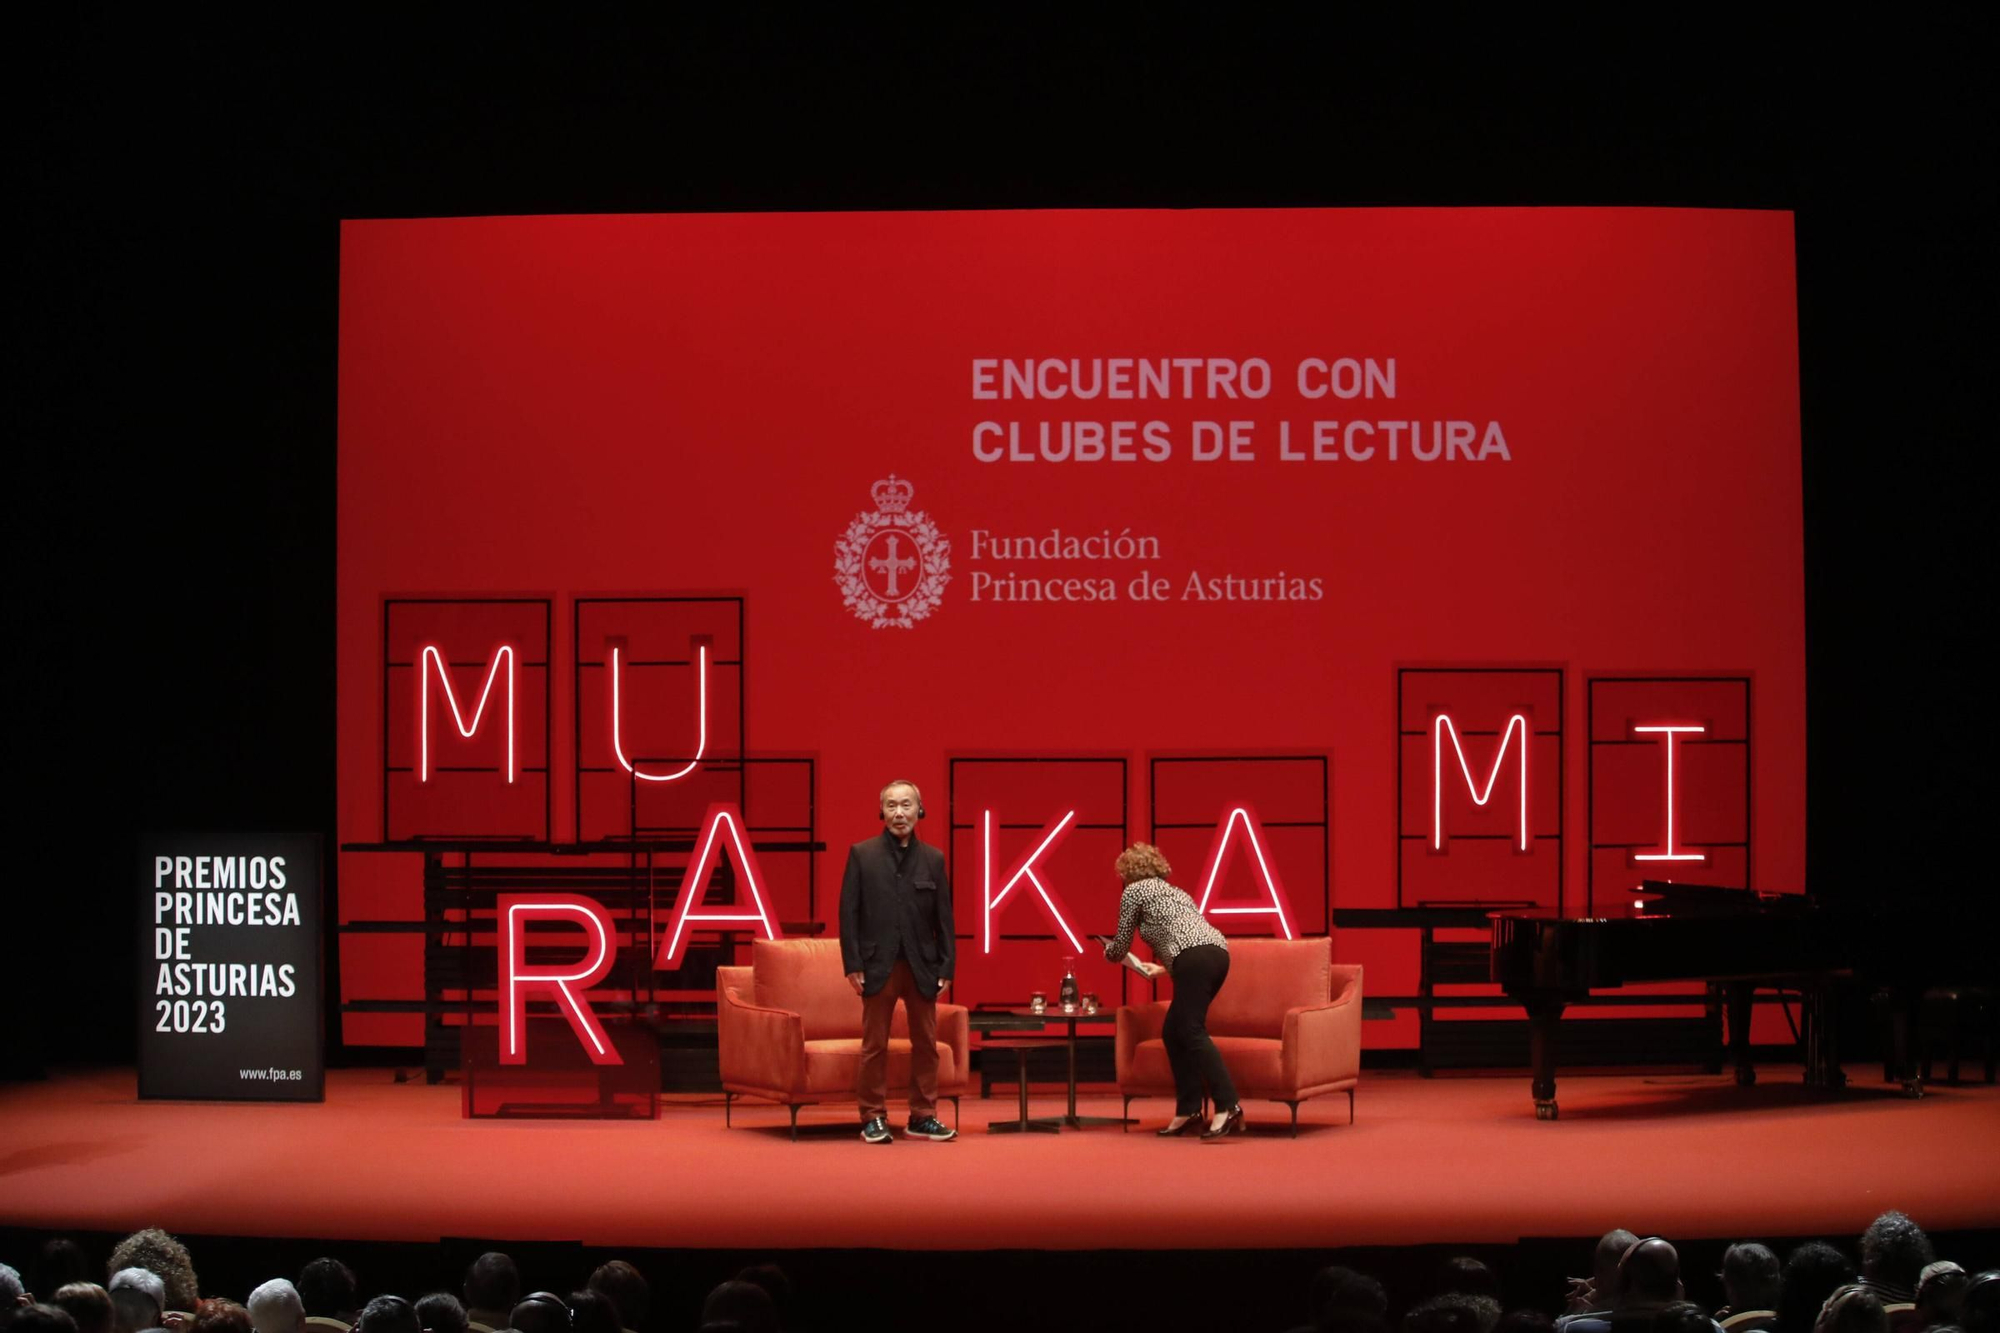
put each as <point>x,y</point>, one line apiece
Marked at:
<point>1142,860</point>
<point>160,1254</point>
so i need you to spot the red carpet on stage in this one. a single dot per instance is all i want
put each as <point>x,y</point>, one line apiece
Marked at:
<point>1439,1160</point>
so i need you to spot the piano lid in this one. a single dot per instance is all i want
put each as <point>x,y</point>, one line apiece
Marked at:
<point>1658,897</point>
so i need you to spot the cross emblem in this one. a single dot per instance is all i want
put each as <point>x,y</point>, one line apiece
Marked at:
<point>892,566</point>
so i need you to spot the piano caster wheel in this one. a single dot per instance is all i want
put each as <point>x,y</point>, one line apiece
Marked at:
<point>1545,1110</point>
<point>1913,1088</point>
<point>1746,1077</point>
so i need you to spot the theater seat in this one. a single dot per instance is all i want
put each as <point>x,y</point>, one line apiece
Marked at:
<point>788,1029</point>
<point>1287,1023</point>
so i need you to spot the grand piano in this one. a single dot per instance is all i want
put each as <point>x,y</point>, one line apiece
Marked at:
<point>1738,939</point>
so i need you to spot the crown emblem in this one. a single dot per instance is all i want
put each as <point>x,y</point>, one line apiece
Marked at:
<point>892,496</point>
<point>892,565</point>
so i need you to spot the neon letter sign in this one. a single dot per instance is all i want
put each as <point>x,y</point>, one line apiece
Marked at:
<point>562,981</point>
<point>1277,904</point>
<point>1024,869</point>
<point>1669,739</point>
<point>720,816</point>
<point>1444,724</point>
<point>432,657</point>
<point>701,716</point>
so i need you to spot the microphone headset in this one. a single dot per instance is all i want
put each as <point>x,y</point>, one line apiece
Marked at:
<point>899,782</point>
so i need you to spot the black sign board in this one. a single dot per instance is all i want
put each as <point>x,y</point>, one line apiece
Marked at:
<point>229,968</point>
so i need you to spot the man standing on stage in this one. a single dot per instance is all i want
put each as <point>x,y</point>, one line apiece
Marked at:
<point>896,944</point>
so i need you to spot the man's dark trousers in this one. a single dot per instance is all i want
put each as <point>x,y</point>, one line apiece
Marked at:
<point>896,930</point>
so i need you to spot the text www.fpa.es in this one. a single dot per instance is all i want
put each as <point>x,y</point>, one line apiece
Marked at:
<point>271,1075</point>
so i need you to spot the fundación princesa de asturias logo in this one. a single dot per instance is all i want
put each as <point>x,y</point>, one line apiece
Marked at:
<point>891,566</point>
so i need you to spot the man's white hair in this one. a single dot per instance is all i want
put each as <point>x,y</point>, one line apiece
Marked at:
<point>277,1294</point>
<point>10,1284</point>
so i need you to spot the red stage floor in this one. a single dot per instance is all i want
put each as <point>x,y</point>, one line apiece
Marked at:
<point>1458,1159</point>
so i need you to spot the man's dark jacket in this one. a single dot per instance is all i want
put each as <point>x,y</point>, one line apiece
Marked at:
<point>887,907</point>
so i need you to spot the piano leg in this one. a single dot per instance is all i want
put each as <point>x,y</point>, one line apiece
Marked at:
<point>1544,1013</point>
<point>1742,997</point>
<point>1818,1003</point>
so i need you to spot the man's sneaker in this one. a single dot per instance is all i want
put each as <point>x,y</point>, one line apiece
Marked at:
<point>930,1127</point>
<point>876,1131</point>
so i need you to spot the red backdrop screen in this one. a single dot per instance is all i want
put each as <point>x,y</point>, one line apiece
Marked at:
<point>1234,504</point>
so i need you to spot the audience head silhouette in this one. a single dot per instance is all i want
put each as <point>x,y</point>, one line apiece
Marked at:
<point>744,1305</point>
<point>327,1290</point>
<point>41,1319</point>
<point>220,1315</point>
<point>592,1312</point>
<point>540,1312</point>
<point>1466,1276</point>
<point>388,1314</point>
<point>1751,1277</point>
<point>86,1303</point>
<point>1852,1309</point>
<point>1812,1272</point>
<point>138,1298</point>
<point>1979,1312</point>
<point>157,1252</point>
<point>275,1307</point>
<point>1649,1273</point>
<point>1894,1251</point>
<point>492,1285</point>
<point>628,1290</point>
<point>440,1312</point>
<point>60,1262</point>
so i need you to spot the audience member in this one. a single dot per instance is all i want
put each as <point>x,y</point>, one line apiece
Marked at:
<point>1648,1280</point>
<point>744,1304</point>
<point>157,1252</point>
<point>1752,1282</point>
<point>1452,1313</point>
<point>440,1312</point>
<point>41,1319</point>
<point>12,1289</point>
<point>1979,1311</point>
<point>592,1312</point>
<point>1525,1321</point>
<point>1592,1295</point>
<point>492,1290</point>
<point>1464,1275</point>
<point>138,1299</point>
<point>218,1314</point>
<point>539,1312</point>
<point>388,1314</point>
<point>1339,1290</point>
<point>329,1295</point>
<point>1813,1272</point>
<point>628,1290</point>
<point>1940,1293</point>
<point>87,1303</point>
<point>1853,1308</point>
<point>776,1285</point>
<point>1682,1317</point>
<point>275,1307</point>
<point>1894,1251</point>
<point>58,1263</point>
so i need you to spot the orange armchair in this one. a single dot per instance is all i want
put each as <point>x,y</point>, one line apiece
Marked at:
<point>788,1029</point>
<point>1287,1022</point>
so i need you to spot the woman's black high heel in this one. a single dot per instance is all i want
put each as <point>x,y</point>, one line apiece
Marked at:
<point>1175,1133</point>
<point>1231,1124</point>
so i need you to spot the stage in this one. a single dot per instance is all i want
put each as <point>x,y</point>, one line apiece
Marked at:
<point>1438,1160</point>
